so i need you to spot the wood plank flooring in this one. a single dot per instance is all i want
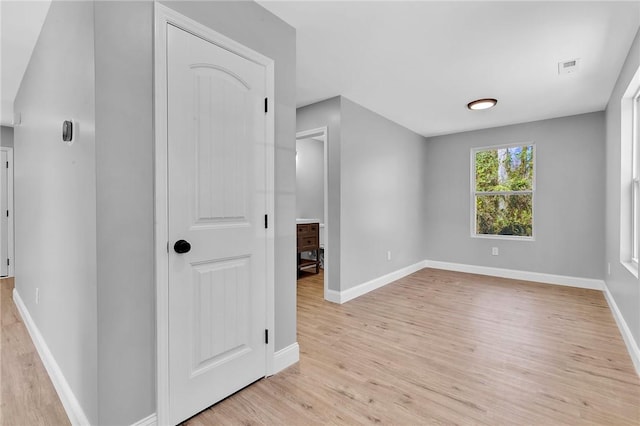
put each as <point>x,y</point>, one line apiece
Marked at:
<point>436,347</point>
<point>441,347</point>
<point>27,396</point>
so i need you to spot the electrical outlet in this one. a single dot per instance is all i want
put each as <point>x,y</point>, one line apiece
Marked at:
<point>389,255</point>
<point>37,295</point>
<point>495,251</point>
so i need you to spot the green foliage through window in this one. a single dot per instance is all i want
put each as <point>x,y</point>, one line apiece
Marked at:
<point>504,183</point>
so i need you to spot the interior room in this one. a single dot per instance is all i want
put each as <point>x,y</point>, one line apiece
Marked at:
<point>288,212</point>
<point>310,203</point>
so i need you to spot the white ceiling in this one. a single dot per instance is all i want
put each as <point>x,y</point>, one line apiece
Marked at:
<point>20,25</point>
<point>420,63</point>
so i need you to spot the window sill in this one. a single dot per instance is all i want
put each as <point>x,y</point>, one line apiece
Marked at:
<point>502,237</point>
<point>631,267</point>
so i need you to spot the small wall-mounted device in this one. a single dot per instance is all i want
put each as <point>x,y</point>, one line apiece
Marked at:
<point>568,67</point>
<point>67,131</point>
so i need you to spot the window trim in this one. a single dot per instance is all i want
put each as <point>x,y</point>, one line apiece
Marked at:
<point>473,193</point>
<point>635,178</point>
<point>629,172</point>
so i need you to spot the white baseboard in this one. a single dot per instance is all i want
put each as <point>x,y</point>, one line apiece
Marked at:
<point>332,296</point>
<point>286,357</point>
<point>360,289</point>
<point>150,420</point>
<point>632,345</point>
<point>69,401</point>
<point>588,283</point>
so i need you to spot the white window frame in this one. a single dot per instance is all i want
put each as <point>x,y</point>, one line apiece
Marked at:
<point>474,193</point>
<point>630,175</point>
<point>635,180</point>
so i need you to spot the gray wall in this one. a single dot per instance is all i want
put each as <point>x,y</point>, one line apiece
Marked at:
<point>310,179</point>
<point>568,206</point>
<point>124,168</point>
<point>376,191</point>
<point>383,186</point>
<point>6,136</point>
<point>623,286</point>
<point>55,196</point>
<point>321,114</point>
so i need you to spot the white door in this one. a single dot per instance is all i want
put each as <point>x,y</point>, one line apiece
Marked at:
<point>4,216</point>
<point>217,203</point>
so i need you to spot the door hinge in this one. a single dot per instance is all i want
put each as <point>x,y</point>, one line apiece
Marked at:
<point>7,213</point>
<point>7,164</point>
<point>266,336</point>
<point>266,221</point>
<point>266,108</point>
<point>8,262</point>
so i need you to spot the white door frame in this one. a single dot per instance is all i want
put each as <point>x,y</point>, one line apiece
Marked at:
<point>10,247</point>
<point>163,17</point>
<point>321,133</point>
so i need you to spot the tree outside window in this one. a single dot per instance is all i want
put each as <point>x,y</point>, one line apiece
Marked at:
<point>503,188</point>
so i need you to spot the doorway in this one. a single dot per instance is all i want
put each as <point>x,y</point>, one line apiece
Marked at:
<point>312,201</point>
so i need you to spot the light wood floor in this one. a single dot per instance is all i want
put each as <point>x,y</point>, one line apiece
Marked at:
<point>27,396</point>
<point>433,348</point>
<point>441,347</point>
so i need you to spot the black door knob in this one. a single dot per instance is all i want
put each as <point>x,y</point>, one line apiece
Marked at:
<point>182,246</point>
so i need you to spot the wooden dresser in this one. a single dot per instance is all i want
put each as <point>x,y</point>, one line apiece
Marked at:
<point>308,240</point>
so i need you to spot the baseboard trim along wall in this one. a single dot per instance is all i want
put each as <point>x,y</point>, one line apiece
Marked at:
<point>286,357</point>
<point>150,420</point>
<point>588,283</point>
<point>332,296</point>
<point>349,294</point>
<point>72,407</point>
<point>360,289</point>
<point>632,345</point>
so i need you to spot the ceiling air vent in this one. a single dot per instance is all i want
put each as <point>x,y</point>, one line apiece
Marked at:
<point>568,67</point>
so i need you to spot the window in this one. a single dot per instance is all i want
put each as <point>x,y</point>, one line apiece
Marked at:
<point>503,187</point>
<point>630,175</point>
<point>635,183</point>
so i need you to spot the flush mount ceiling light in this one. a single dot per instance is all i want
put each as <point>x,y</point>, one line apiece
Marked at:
<point>482,104</point>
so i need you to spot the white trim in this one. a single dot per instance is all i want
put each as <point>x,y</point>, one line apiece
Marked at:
<point>150,420</point>
<point>270,189</point>
<point>357,291</point>
<point>588,283</point>
<point>628,169</point>
<point>323,134</point>
<point>332,295</point>
<point>631,267</point>
<point>632,345</point>
<point>286,357</point>
<point>69,401</point>
<point>163,17</point>
<point>10,224</point>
